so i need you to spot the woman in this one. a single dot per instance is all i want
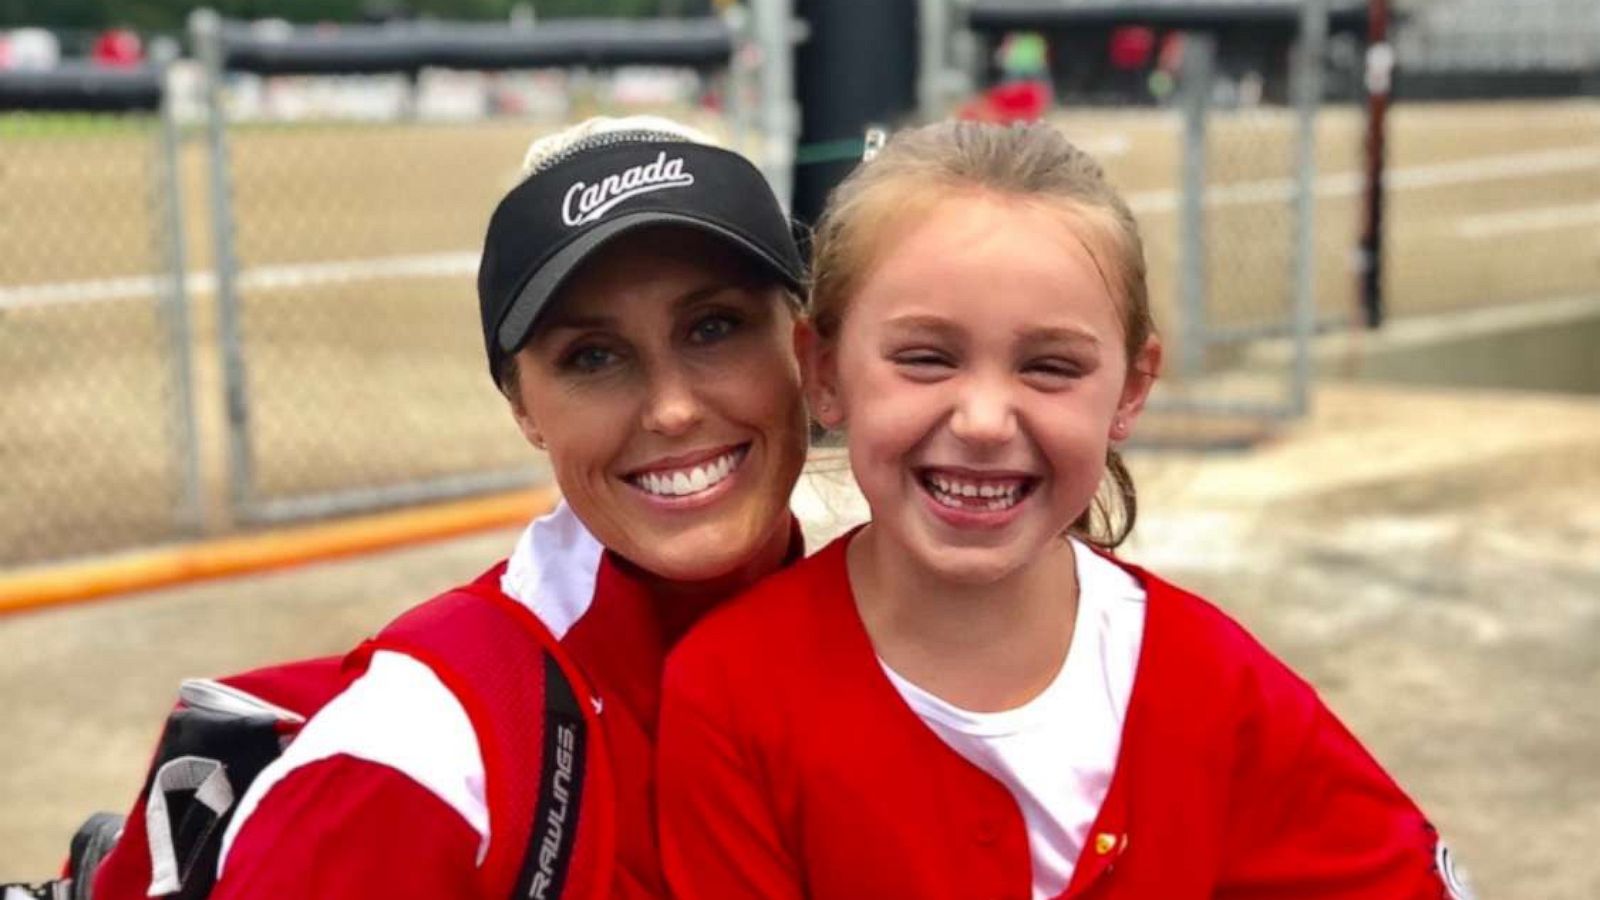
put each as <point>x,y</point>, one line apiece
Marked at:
<point>638,292</point>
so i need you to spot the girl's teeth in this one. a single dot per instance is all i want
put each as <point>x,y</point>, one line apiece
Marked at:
<point>955,494</point>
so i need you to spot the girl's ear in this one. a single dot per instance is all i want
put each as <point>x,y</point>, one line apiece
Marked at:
<point>1143,370</point>
<point>819,367</point>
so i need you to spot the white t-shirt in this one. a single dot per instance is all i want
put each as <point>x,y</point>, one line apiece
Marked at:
<point>1056,753</point>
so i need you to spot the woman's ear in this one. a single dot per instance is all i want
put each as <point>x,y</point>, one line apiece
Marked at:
<point>1143,370</point>
<point>519,411</point>
<point>818,366</point>
<point>530,430</point>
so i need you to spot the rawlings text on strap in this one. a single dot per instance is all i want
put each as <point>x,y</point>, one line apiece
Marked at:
<point>549,854</point>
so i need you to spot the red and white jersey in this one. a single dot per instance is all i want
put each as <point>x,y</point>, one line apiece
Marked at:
<point>398,742</point>
<point>791,767</point>
<point>389,790</point>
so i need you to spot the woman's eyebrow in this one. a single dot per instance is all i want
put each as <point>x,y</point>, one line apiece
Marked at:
<point>580,322</point>
<point>712,290</point>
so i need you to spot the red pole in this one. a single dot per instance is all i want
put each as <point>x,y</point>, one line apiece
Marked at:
<point>1379,79</point>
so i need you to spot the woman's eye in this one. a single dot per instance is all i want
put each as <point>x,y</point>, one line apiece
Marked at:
<point>712,329</point>
<point>585,360</point>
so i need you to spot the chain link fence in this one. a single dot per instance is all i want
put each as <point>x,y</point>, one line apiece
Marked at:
<point>97,449</point>
<point>334,222</point>
<point>338,184</point>
<point>353,328</point>
<point>1218,154</point>
<point>352,177</point>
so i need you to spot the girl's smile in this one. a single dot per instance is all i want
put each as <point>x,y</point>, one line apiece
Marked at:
<point>964,498</point>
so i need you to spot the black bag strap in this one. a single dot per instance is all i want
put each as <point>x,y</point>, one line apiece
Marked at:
<point>548,857</point>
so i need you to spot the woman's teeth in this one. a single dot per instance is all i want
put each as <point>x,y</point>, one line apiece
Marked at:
<point>693,480</point>
<point>962,494</point>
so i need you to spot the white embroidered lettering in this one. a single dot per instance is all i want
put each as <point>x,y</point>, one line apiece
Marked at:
<point>586,203</point>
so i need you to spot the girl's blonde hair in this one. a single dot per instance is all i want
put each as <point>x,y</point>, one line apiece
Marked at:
<point>921,167</point>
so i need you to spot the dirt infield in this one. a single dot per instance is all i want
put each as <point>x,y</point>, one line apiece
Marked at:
<point>358,244</point>
<point>1426,558</point>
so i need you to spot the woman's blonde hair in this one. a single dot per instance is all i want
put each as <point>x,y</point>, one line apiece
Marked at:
<point>921,167</point>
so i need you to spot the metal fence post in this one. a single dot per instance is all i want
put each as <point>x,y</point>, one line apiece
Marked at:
<point>205,26</point>
<point>738,77</point>
<point>966,51</point>
<point>1197,73</point>
<point>933,37</point>
<point>773,28</point>
<point>1309,59</point>
<point>176,308</point>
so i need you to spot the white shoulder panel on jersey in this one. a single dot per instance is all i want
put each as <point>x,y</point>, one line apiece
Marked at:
<point>398,714</point>
<point>553,569</point>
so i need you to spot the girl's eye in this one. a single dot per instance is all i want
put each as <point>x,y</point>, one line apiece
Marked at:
<point>1053,370</point>
<point>922,359</point>
<point>713,328</point>
<point>588,359</point>
<point>1054,367</point>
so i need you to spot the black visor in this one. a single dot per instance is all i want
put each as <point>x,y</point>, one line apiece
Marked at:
<point>548,225</point>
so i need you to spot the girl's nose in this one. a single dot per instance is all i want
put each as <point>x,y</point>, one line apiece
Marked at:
<point>984,415</point>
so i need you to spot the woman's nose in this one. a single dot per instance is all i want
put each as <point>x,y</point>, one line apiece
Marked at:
<point>984,415</point>
<point>673,407</point>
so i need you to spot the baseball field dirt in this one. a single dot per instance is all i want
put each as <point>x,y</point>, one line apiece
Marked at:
<point>1425,557</point>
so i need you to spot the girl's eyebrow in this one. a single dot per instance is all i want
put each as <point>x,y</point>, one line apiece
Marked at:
<point>938,325</point>
<point>1046,334</point>
<point>1041,334</point>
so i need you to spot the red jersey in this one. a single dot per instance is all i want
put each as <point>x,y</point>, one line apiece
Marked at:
<point>790,767</point>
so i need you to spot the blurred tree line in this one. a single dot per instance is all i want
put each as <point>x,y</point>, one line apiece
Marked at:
<point>170,15</point>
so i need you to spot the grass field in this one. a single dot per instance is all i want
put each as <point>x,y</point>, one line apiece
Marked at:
<point>358,244</point>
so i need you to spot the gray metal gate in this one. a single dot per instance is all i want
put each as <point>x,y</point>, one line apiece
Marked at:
<point>97,431</point>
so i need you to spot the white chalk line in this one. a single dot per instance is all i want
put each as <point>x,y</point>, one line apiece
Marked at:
<point>1349,184</point>
<point>1487,226</point>
<point>273,277</point>
<point>455,263</point>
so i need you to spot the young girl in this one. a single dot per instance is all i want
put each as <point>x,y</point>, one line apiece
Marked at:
<point>969,697</point>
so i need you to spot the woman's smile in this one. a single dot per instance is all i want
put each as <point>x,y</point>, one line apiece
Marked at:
<point>690,480</point>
